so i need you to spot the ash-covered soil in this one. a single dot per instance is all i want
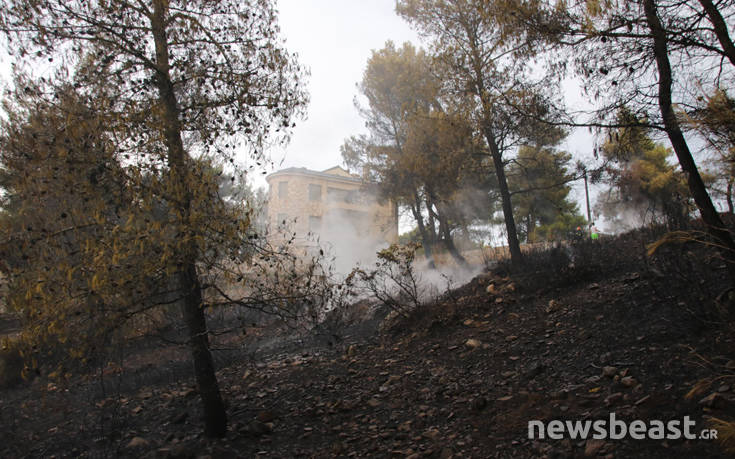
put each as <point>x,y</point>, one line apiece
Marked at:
<point>459,378</point>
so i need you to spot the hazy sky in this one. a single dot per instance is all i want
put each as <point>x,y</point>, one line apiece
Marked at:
<point>334,39</point>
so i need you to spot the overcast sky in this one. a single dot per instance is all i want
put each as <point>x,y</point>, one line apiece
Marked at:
<point>334,39</point>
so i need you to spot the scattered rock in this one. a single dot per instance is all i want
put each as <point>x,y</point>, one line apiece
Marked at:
<point>479,403</point>
<point>266,416</point>
<point>138,442</point>
<point>723,388</point>
<point>180,418</point>
<point>473,343</point>
<point>257,428</point>
<point>613,399</point>
<point>351,351</point>
<point>432,434</point>
<point>715,400</point>
<point>609,371</point>
<point>592,447</point>
<point>534,370</point>
<point>628,381</point>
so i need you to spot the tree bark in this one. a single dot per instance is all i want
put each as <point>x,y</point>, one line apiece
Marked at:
<point>416,210</point>
<point>514,246</point>
<point>710,217</point>
<point>432,222</point>
<point>449,244</point>
<point>446,235</point>
<point>477,66</point>
<point>215,416</point>
<point>529,228</point>
<point>720,27</point>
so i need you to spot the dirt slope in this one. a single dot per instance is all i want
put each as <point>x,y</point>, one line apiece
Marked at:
<point>460,378</point>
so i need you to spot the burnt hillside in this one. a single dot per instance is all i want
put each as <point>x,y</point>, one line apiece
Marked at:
<point>575,335</point>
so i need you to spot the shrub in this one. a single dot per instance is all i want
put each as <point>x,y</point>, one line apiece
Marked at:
<point>393,282</point>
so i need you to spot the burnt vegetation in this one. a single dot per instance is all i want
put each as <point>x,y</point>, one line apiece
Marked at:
<point>148,308</point>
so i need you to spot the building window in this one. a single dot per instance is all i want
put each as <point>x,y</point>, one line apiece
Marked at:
<point>337,194</point>
<point>315,192</point>
<point>315,223</point>
<point>283,190</point>
<point>344,196</point>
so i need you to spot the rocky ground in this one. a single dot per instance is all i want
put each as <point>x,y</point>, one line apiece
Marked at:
<point>459,378</point>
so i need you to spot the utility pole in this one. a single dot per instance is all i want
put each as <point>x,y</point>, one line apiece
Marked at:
<point>587,196</point>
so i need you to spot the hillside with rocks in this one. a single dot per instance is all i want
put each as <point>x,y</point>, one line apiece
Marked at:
<point>609,331</point>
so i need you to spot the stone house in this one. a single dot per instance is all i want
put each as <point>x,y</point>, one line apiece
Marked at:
<point>333,204</point>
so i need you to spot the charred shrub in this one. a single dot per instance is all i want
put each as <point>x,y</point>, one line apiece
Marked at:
<point>11,367</point>
<point>691,273</point>
<point>561,265</point>
<point>393,281</point>
<point>583,260</point>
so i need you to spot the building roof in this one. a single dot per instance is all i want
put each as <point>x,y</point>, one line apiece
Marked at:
<point>333,173</point>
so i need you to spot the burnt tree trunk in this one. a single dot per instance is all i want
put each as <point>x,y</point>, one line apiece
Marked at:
<point>444,231</point>
<point>720,28</point>
<point>711,218</point>
<point>215,416</point>
<point>449,244</point>
<point>478,63</point>
<point>514,245</point>
<point>416,210</point>
<point>432,221</point>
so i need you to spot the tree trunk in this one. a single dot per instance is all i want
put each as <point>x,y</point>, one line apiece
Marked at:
<point>478,64</point>
<point>416,211</point>
<point>432,222</point>
<point>530,228</point>
<point>514,246</point>
<point>720,27</point>
<point>711,218</point>
<point>449,244</point>
<point>215,416</point>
